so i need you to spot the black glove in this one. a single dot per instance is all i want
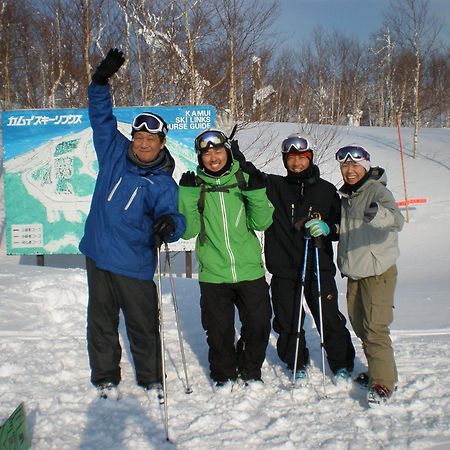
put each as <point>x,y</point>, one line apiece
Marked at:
<point>188,179</point>
<point>256,180</point>
<point>237,154</point>
<point>108,67</point>
<point>162,228</point>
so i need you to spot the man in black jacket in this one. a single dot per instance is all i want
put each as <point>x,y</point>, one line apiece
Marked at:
<point>304,203</point>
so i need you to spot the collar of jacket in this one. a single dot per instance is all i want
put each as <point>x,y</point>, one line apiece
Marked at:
<point>163,163</point>
<point>307,177</point>
<point>226,178</point>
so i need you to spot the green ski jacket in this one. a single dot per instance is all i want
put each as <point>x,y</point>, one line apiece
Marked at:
<point>230,251</point>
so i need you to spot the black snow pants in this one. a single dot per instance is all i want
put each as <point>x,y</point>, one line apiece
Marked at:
<point>336,337</point>
<point>217,302</point>
<point>108,294</point>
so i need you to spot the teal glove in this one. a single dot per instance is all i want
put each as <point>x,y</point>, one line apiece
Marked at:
<point>317,228</point>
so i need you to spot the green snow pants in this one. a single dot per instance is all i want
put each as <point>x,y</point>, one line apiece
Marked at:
<point>370,303</point>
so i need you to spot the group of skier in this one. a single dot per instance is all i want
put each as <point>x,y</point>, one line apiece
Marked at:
<point>137,205</point>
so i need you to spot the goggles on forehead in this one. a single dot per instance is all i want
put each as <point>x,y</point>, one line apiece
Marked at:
<point>208,139</point>
<point>354,152</point>
<point>295,143</point>
<point>149,122</point>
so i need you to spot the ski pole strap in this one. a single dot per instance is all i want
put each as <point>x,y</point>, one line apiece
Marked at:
<point>317,242</point>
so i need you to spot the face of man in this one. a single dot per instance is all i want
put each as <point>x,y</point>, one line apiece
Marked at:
<point>215,158</point>
<point>352,172</point>
<point>146,146</point>
<point>297,162</point>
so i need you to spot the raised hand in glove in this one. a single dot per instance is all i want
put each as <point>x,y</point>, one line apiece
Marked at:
<point>317,228</point>
<point>370,212</point>
<point>108,67</point>
<point>256,180</point>
<point>188,179</point>
<point>162,228</point>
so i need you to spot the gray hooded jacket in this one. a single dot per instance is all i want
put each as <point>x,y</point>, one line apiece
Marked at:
<point>368,247</point>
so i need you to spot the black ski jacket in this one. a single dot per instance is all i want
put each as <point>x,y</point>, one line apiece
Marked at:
<point>295,201</point>
<point>296,198</point>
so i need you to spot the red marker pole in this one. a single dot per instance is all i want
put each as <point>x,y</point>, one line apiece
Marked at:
<point>403,167</point>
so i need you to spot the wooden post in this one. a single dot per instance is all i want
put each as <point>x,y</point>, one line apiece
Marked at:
<point>403,166</point>
<point>188,256</point>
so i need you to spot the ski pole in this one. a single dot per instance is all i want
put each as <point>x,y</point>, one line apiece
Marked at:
<point>319,299</point>
<point>300,312</point>
<point>161,338</point>
<point>188,389</point>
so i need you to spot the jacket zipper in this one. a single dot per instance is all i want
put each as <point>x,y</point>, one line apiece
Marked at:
<point>110,196</point>
<point>227,237</point>
<point>131,198</point>
<point>238,219</point>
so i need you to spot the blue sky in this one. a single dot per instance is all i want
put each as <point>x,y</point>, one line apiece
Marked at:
<point>354,18</point>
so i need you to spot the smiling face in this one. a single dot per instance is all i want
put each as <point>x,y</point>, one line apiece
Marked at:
<point>297,162</point>
<point>215,158</point>
<point>146,146</point>
<point>352,172</point>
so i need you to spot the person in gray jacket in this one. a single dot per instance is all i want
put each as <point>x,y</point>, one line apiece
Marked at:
<point>367,255</point>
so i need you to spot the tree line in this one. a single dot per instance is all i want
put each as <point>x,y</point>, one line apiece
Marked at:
<point>220,52</point>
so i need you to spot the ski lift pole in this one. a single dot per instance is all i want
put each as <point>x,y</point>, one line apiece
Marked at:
<point>188,389</point>
<point>161,338</point>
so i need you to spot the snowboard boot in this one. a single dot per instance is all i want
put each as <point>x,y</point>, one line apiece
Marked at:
<point>378,395</point>
<point>301,377</point>
<point>342,377</point>
<point>108,391</point>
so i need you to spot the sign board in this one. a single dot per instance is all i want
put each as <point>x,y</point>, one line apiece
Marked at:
<point>50,169</point>
<point>412,201</point>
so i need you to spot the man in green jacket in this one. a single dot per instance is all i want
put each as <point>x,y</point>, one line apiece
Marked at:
<point>223,208</point>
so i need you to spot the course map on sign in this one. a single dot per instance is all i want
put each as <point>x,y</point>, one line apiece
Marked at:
<point>50,169</point>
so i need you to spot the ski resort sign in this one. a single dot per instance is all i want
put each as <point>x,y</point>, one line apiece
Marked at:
<point>50,169</point>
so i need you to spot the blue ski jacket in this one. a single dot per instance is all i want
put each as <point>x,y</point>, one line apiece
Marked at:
<point>127,199</point>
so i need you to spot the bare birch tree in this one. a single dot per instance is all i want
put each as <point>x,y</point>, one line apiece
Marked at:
<point>416,30</point>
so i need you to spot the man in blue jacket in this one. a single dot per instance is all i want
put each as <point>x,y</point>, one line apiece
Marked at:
<point>134,209</point>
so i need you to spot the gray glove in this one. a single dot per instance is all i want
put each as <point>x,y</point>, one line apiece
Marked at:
<point>370,212</point>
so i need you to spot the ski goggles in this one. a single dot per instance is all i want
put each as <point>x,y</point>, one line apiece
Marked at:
<point>150,123</point>
<point>354,152</point>
<point>295,143</point>
<point>208,139</point>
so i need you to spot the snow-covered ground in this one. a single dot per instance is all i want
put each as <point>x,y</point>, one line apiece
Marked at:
<point>43,358</point>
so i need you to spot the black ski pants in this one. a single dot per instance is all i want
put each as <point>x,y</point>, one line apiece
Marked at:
<point>286,303</point>
<point>108,294</point>
<point>217,303</point>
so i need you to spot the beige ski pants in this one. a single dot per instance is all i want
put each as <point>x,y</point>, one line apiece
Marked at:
<point>370,303</point>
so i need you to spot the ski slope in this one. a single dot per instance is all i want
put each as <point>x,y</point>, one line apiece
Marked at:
<point>43,357</point>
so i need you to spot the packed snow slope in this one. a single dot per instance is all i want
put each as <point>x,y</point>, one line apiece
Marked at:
<point>43,358</point>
